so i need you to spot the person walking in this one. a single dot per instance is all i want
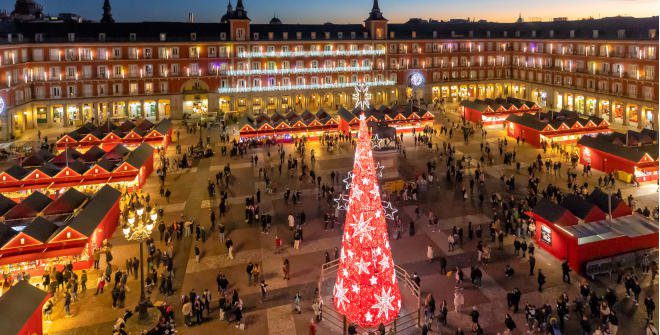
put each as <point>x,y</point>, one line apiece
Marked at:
<point>264,289</point>
<point>286,268</point>
<point>459,300</point>
<point>67,304</point>
<point>429,253</point>
<point>197,253</point>
<point>650,307</point>
<point>230,248</point>
<point>565,270</point>
<point>297,300</point>
<point>532,264</point>
<point>540,280</point>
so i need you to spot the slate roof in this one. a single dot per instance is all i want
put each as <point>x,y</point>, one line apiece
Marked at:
<point>92,155</point>
<point>18,304</point>
<point>140,155</point>
<point>600,199</point>
<point>94,211</point>
<point>549,211</point>
<point>17,172</point>
<point>29,207</point>
<point>40,229</point>
<point>56,32</point>
<point>5,204</point>
<point>164,126</point>
<point>66,203</point>
<point>579,206</point>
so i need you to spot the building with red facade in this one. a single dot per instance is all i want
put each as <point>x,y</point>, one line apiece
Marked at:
<point>577,229</point>
<point>633,153</point>
<point>495,111</point>
<point>70,73</point>
<point>563,127</point>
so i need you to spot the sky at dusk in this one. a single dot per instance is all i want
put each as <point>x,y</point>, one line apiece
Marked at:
<point>350,11</point>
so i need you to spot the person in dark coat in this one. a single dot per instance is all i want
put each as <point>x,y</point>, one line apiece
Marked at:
<point>540,280</point>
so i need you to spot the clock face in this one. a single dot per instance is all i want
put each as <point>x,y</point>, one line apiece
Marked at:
<point>416,79</point>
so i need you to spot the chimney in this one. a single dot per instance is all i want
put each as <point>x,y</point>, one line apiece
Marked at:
<point>191,17</point>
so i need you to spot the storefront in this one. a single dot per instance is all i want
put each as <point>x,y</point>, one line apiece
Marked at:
<point>633,114</point>
<point>579,104</point>
<point>73,115</point>
<point>195,106</point>
<point>42,114</point>
<point>591,106</point>
<point>150,110</point>
<point>134,110</point>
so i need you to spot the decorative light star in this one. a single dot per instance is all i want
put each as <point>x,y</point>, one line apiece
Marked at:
<point>362,229</point>
<point>373,280</point>
<point>342,201</point>
<point>390,211</point>
<point>384,263</point>
<point>368,317</point>
<point>384,302</point>
<point>348,180</point>
<point>361,96</point>
<point>355,288</point>
<point>375,142</point>
<point>357,191</point>
<point>374,191</point>
<point>340,293</point>
<point>362,266</point>
<point>379,169</point>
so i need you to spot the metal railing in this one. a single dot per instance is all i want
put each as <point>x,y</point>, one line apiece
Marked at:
<point>402,323</point>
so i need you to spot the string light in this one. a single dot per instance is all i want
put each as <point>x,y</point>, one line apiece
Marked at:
<point>297,71</point>
<point>299,87</point>
<point>274,54</point>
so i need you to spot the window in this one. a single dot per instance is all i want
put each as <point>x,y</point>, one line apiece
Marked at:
<point>71,37</point>
<point>147,53</point>
<point>175,69</point>
<point>175,52</point>
<point>240,34</point>
<point>285,35</point>
<point>148,87</point>
<point>223,36</point>
<point>163,87</point>
<point>193,52</point>
<point>38,55</point>
<point>162,37</point>
<point>38,37</point>
<point>117,70</point>
<point>340,35</point>
<point>102,89</point>
<point>212,52</point>
<point>193,36</point>
<point>71,91</point>
<point>255,36</point>
<point>286,81</point>
<point>116,53</point>
<point>101,37</point>
<point>132,37</point>
<point>88,90</point>
<point>313,35</point>
<point>148,70</point>
<point>116,89</point>
<point>298,35</point>
<point>102,71</point>
<point>132,88</point>
<point>55,92</point>
<point>87,71</point>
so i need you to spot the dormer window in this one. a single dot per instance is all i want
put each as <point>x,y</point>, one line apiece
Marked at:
<point>352,35</point>
<point>572,33</point>
<point>594,33</point>
<point>193,36</point>
<point>414,34</point>
<point>223,36</point>
<point>488,33</point>
<point>621,33</point>
<point>162,37</point>
<point>255,36</point>
<point>132,37</point>
<point>270,35</point>
<point>391,35</point>
<point>471,33</point>
<point>71,37</point>
<point>340,35</point>
<point>298,35</point>
<point>101,37</point>
<point>38,37</point>
<point>506,33</point>
<point>517,33</point>
<point>20,37</point>
<point>533,33</point>
<point>327,35</point>
<point>552,33</point>
<point>365,35</point>
<point>652,33</point>
<point>435,34</point>
<point>285,35</point>
<point>313,35</point>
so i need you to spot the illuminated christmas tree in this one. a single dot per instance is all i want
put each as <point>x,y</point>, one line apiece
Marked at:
<point>366,290</point>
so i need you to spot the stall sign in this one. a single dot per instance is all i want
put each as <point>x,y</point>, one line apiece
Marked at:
<point>546,235</point>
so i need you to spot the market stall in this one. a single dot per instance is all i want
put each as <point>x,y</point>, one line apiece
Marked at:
<point>623,154</point>
<point>495,111</point>
<point>21,308</point>
<point>562,127</point>
<point>108,135</point>
<point>57,239</point>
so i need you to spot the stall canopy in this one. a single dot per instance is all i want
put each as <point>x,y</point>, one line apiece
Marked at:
<point>29,207</point>
<point>6,204</point>
<point>630,226</point>
<point>140,155</point>
<point>582,209</point>
<point>553,213</point>
<point>19,305</point>
<point>92,155</point>
<point>600,199</point>
<point>96,209</point>
<point>66,203</point>
<point>40,229</point>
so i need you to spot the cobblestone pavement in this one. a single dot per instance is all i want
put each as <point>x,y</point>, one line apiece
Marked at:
<point>93,314</point>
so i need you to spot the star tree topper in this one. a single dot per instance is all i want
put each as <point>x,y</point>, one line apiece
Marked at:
<point>362,96</point>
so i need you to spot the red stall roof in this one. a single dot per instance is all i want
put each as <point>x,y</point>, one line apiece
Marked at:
<point>94,211</point>
<point>29,207</point>
<point>18,305</point>
<point>554,213</point>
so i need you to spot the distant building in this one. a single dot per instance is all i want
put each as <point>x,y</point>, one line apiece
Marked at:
<point>560,19</point>
<point>27,10</point>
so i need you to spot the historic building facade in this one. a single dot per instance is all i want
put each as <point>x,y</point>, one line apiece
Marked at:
<point>54,74</point>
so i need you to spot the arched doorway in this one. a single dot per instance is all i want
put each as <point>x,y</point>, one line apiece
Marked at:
<point>195,98</point>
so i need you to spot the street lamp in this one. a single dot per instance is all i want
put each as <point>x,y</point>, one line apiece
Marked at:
<point>138,227</point>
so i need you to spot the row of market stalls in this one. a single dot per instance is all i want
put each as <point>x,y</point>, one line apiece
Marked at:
<point>627,155</point>
<point>578,229</point>
<point>554,127</point>
<point>495,111</point>
<point>312,125</point>
<point>40,232</point>
<point>88,171</point>
<point>108,135</point>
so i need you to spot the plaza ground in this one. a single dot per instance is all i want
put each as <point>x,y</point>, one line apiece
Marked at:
<point>94,314</point>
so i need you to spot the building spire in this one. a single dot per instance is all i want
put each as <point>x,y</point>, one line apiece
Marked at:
<point>107,13</point>
<point>375,13</point>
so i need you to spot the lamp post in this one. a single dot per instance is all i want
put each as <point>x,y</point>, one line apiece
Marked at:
<point>138,227</point>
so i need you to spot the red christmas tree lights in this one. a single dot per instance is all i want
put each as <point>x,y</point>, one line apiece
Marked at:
<point>366,290</point>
